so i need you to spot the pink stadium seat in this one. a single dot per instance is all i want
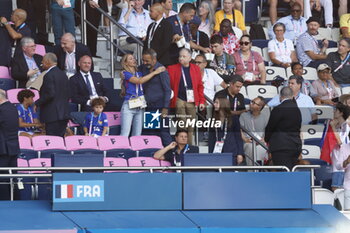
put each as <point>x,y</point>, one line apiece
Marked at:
<point>12,95</point>
<point>22,163</point>
<point>25,143</point>
<point>113,118</point>
<point>40,162</point>
<point>113,142</point>
<point>81,142</point>
<point>164,163</point>
<point>40,49</point>
<point>143,162</point>
<point>145,142</point>
<point>114,162</point>
<point>48,143</point>
<point>72,124</point>
<point>5,72</point>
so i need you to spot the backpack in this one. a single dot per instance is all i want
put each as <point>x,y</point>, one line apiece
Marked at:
<point>257,32</point>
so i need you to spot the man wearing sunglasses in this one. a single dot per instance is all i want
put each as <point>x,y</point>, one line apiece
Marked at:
<point>295,24</point>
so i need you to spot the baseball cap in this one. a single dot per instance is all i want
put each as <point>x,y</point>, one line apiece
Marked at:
<point>323,66</point>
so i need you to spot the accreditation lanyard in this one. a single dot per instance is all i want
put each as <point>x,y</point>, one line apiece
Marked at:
<point>178,163</point>
<point>181,28</point>
<point>282,53</point>
<point>295,26</point>
<point>225,132</point>
<point>152,32</point>
<point>342,63</point>
<point>245,63</point>
<point>328,88</point>
<point>21,26</point>
<point>137,85</point>
<point>139,22</point>
<point>184,78</point>
<point>235,102</point>
<point>197,37</point>
<point>92,119</point>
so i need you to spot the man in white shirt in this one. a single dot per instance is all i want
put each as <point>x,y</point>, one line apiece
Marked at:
<point>211,80</point>
<point>136,20</point>
<point>304,102</point>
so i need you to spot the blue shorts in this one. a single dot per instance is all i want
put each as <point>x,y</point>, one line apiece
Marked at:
<point>337,179</point>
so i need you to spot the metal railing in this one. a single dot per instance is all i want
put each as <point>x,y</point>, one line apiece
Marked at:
<point>111,38</point>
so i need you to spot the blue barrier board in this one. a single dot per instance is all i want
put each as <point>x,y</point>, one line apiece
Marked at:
<point>259,221</point>
<point>117,191</point>
<point>133,222</point>
<point>33,217</point>
<point>246,190</point>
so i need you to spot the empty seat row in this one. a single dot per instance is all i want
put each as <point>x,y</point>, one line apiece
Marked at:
<point>107,162</point>
<point>87,144</point>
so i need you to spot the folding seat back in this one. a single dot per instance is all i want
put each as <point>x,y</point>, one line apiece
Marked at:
<point>113,142</point>
<point>48,143</point>
<point>115,162</point>
<point>311,152</point>
<point>5,72</point>
<point>12,95</point>
<point>40,49</point>
<point>145,142</point>
<point>143,162</point>
<point>40,162</point>
<point>113,118</point>
<point>345,90</point>
<point>312,131</point>
<point>80,142</point>
<point>272,72</point>
<point>262,90</point>
<point>25,143</point>
<point>324,112</point>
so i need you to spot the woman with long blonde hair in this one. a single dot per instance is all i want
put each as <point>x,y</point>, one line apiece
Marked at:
<point>132,92</point>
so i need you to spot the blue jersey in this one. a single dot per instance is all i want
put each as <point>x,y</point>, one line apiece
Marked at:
<point>95,124</point>
<point>130,87</point>
<point>27,116</point>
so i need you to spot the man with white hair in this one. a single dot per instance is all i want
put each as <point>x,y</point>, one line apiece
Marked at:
<point>9,146</point>
<point>25,65</point>
<point>54,98</point>
<point>69,53</point>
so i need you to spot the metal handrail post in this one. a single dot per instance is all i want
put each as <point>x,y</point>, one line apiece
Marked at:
<point>83,23</point>
<point>111,49</point>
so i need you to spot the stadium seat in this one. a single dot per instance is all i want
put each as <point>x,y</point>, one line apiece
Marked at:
<point>40,162</point>
<point>48,145</point>
<point>324,112</point>
<point>262,90</point>
<point>40,49</point>
<point>260,43</point>
<point>146,145</point>
<point>309,73</point>
<point>116,146</point>
<point>113,122</point>
<point>273,71</point>
<point>339,90</point>
<point>4,72</point>
<point>312,131</point>
<point>257,49</point>
<point>335,34</point>
<point>25,143</point>
<point>80,160</point>
<point>345,90</point>
<point>7,84</point>
<point>79,142</point>
<point>329,50</point>
<point>22,163</point>
<point>324,33</point>
<point>143,162</point>
<point>243,91</point>
<point>12,95</point>
<point>266,55</point>
<point>164,163</point>
<point>115,162</point>
<point>311,152</point>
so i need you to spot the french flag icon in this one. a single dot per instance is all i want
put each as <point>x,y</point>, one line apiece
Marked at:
<point>64,191</point>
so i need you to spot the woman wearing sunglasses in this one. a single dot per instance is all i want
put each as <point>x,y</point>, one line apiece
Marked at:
<point>281,50</point>
<point>249,64</point>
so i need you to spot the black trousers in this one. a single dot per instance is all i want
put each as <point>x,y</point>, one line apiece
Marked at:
<point>36,18</point>
<point>7,161</point>
<point>288,158</point>
<point>56,128</point>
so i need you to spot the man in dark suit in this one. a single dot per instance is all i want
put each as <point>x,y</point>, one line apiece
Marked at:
<point>26,64</point>
<point>69,53</point>
<point>159,35</point>
<point>282,132</point>
<point>86,85</point>
<point>157,93</point>
<point>9,146</point>
<point>54,97</point>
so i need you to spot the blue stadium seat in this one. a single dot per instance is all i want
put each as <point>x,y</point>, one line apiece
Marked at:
<point>260,43</point>
<point>88,151</point>
<point>7,84</point>
<point>81,160</point>
<point>121,153</point>
<point>49,153</point>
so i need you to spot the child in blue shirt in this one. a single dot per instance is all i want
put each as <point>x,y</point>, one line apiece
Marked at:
<point>96,123</point>
<point>28,120</point>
